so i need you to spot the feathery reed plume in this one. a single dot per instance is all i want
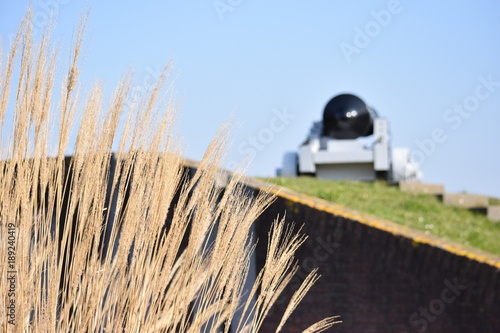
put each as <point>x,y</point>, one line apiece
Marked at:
<point>124,241</point>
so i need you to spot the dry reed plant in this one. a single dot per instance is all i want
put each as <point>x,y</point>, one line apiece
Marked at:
<point>93,250</point>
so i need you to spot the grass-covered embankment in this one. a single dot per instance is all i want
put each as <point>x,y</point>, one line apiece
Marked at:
<point>417,211</point>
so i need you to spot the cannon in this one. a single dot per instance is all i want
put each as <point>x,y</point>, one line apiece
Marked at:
<point>347,117</point>
<point>351,143</point>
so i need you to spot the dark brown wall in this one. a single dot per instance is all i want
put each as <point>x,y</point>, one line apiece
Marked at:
<point>380,282</point>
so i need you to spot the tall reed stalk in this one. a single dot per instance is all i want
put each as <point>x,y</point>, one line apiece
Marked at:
<point>150,276</point>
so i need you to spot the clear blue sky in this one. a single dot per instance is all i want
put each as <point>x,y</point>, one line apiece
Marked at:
<point>417,62</point>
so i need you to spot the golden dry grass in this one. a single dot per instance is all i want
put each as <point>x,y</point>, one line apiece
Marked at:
<point>148,281</point>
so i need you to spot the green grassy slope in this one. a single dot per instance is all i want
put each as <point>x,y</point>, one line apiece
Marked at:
<point>494,201</point>
<point>421,212</point>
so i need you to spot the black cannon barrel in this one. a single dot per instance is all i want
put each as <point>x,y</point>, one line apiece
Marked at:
<point>347,117</point>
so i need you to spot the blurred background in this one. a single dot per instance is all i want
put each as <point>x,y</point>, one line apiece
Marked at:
<point>272,67</point>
